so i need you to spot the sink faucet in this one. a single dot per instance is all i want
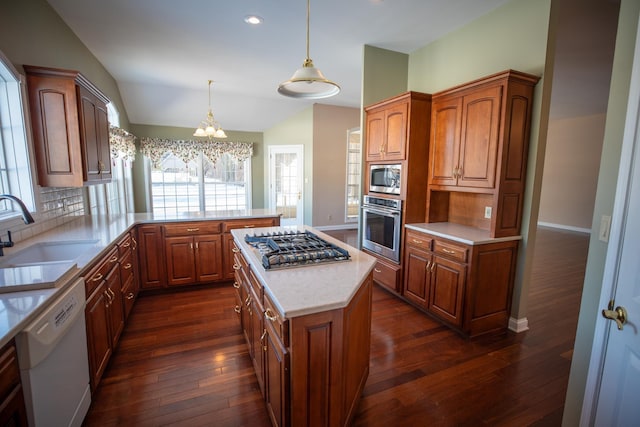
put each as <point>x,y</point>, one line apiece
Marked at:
<point>26,217</point>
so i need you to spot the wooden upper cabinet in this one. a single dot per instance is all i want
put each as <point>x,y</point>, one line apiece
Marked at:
<point>446,115</point>
<point>387,131</point>
<point>70,128</point>
<point>94,135</point>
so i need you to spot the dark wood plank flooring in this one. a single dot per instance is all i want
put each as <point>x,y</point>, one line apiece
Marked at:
<point>182,360</point>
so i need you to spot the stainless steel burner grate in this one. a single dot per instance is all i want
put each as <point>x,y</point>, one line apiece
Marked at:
<point>292,249</point>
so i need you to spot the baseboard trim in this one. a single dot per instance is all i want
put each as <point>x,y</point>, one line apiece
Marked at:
<point>565,227</point>
<point>518,325</point>
<point>353,226</point>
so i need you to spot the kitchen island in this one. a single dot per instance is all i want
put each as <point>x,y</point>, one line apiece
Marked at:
<point>308,330</point>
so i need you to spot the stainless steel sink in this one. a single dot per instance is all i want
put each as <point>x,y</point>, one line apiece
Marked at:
<point>49,253</point>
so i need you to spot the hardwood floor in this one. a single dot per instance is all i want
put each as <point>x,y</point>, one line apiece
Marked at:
<point>182,360</point>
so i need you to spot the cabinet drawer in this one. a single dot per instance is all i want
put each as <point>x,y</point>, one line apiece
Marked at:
<point>250,223</point>
<point>419,240</point>
<point>387,275</point>
<point>192,228</point>
<point>128,296</point>
<point>451,250</point>
<point>100,270</point>
<point>125,245</point>
<point>239,261</point>
<point>126,266</point>
<point>9,370</point>
<point>273,316</point>
<point>256,285</point>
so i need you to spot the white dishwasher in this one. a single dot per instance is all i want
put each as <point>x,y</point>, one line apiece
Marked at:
<point>54,366</point>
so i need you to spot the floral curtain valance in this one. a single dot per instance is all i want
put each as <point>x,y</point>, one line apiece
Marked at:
<point>122,145</point>
<point>155,148</point>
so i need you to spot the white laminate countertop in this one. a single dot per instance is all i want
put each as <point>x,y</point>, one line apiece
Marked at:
<point>308,289</point>
<point>459,233</point>
<point>19,308</point>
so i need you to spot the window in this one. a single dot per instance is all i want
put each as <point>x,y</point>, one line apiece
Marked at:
<point>182,178</point>
<point>354,173</point>
<point>15,173</point>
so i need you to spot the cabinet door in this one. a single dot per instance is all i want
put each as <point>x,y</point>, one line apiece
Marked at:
<point>445,141</point>
<point>479,138</point>
<point>208,257</point>
<point>87,103</point>
<point>116,306</point>
<point>151,257</point>
<point>98,336</point>
<point>246,314</point>
<point>54,118</point>
<point>258,336</point>
<point>396,132</point>
<point>417,263</point>
<point>180,260</point>
<point>375,135</point>
<point>447,289</point>
<point>276,364</point>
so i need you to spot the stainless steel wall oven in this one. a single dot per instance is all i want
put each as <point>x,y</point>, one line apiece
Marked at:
<point>381,222</point>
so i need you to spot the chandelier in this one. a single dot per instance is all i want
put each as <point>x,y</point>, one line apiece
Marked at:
<point>308,82</point>
<point>209,127</point>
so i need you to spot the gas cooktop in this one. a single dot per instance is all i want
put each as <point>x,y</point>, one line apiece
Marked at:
<point>295,249</point>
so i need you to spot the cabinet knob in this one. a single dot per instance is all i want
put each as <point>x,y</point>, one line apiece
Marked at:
<point>113,259</point>
<point>236,285</point>
<point>237,309</point>
<point>236,267</point>
<point>127,266</point>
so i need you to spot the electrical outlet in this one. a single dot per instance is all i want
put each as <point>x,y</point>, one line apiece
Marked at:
<point>487,212</point>
<point>330,217</point>
<point>605,227</point>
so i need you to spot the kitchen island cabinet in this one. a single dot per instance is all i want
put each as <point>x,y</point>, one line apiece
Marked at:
<point>313,349</point>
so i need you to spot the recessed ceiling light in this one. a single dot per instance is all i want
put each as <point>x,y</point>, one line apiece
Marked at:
<point>253,19</point>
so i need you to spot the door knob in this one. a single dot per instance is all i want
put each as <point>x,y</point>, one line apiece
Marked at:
<point>619,314</point>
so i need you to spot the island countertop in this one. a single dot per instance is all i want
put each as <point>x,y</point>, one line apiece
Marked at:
<point>19,308</point>
<point>308,289</point>
<point>459,233</point>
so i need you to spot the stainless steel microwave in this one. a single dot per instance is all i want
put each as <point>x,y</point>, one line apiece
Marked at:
<point>385,178</point>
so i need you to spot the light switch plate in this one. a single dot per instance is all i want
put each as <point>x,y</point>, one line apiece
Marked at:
<point>605,228</point>
<point>487,212</point>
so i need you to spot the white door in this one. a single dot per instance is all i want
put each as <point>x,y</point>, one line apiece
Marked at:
<point>612,396</point>
<point>286,182</point>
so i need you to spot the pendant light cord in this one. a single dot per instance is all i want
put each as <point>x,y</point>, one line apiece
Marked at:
<point>308,14</point>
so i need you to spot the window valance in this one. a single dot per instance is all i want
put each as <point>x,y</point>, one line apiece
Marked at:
<point>155,148</point>
<point>122,144</point>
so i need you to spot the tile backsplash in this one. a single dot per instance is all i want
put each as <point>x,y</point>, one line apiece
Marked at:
<point>57,206</point>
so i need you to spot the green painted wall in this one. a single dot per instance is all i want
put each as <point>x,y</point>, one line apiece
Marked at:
<point>32,33</point>
<point>296,130</point>
<point>513,36</point>
<point>607,181</point>
<point>384,74</point>
<point>257,161</point>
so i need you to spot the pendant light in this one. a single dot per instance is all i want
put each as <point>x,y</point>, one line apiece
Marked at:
<point>209,127</point>
<point>308,82</point>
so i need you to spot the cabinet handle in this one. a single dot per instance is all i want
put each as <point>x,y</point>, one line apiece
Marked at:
<point>196,245</point>
<point>126,244</point>
<point>236,285</point>
<point>191,244</point>
<point>130,295</point>
<point>235,250</point>
<point>113,295</point>
<point>106,293</point>
<point>264,334</point>
<point>377,271</point>
<point>249,226</point>
<point>419,242</point>
<point>113,259</point>
<point>247,301</point>
<point>107,303</point>
<point>127,266</point>
<point>135,243</point>
<point>448,251</point>
<point>236,267</point>
<point>269,315</point>
<point>192,229</point>
<point>237,309</point>
<point>97,278</point>
<point>428,265</point>
<point>433,266</point>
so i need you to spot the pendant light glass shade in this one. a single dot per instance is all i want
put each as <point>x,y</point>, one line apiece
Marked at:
<point>308,82</point>
<point>209,128</point>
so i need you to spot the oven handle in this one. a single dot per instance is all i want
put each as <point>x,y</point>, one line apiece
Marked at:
<point>381,211</point>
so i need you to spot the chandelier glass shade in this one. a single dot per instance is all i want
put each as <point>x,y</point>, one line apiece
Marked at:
<point>209,128</point>
<point>308,82</point>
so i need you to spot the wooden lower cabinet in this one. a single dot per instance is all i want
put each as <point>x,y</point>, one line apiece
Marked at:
<point>467,286</point>
<point>193,259</point>
<point>387,274</point>
<point>12,406</point>
<point>311,369</point>
<point>151,257</point>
